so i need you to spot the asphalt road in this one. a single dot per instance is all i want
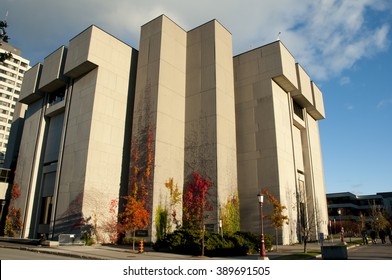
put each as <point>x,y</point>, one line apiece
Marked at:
<point>371,252</point>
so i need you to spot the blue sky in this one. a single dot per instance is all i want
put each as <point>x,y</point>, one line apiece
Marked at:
<point>356,136</point>
<point>345,46</point>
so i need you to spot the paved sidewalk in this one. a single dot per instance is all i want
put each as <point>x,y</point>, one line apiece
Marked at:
<point>113,252</point>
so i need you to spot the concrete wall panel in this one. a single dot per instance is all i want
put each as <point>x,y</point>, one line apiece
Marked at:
<point>303,95</point>
<point>52,76</point>
<point>29,92</point>
<point>318,103</point>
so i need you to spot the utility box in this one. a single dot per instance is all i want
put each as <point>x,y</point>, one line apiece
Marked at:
<point>334,252</point>
<point>70,239</point>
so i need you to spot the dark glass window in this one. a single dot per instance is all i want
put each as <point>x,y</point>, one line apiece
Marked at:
<point>46,210</point>
<point>298,110</point>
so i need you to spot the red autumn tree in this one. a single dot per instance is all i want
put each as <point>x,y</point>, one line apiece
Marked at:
<point>277,218</point>
<point>142,166</point>
<point>135,216</point>
<point>111,226</point>
<point>136,213</point>
<point>13,222</point>
<point>195,202</point>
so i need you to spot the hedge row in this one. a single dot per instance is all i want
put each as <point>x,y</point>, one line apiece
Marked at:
<point>190,242</point>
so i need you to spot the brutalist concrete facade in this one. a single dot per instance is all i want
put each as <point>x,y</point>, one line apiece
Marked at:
<point>278,144</point>
<point>185,93</point>
<point>245,124</point>
<point>71,155</point>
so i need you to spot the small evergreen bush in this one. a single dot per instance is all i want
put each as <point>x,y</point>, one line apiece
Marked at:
<point>189,242</point>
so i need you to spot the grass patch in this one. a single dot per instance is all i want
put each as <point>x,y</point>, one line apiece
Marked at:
<point>355,242</point>
<point>300,256</point>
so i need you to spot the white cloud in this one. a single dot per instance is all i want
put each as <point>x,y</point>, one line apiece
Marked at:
<point>338,35</point>
<point>345,80</point>
<point>384,103</point>
<point>325,36</point>
<point>350,107</point>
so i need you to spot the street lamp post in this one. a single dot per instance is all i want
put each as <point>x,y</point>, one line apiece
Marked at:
<point>2,209</point>
<point>263,254</point>
<point>330,226</point>
<point>341,227</point>
<point>221,227</point>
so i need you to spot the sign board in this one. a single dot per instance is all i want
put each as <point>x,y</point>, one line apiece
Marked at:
<point>321,238</point>
<point>141,233</point>
<point>209,227</point>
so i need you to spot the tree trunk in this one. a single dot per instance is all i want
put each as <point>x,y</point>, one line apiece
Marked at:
<point>276,239</point>
<point>133,240</point>
<point>202,241</point>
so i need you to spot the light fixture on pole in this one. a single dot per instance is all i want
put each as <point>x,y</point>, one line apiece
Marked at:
<point>221,227</point>
<point>341,226</point>
<point>2,209</point>
<point>263,254</point>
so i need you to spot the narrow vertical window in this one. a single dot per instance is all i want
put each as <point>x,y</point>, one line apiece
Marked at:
<point>46,210</point>
<point>298,110</point>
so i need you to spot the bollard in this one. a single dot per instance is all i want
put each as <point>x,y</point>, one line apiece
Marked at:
<point>141,247</point>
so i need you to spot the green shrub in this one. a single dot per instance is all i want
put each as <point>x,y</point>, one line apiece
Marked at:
<point>248,240</point>
<point>268,240</point>
<point>89,241</point>
<point>161,222</point>
<point>181,242</point>
<point>189,242</point>
<point>230,215</point>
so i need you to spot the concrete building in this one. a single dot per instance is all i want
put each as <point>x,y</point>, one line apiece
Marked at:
<point>185,91</point>
<point>346,208</point>
<point>278,144</point>
<point>11,115</point>
<point>244,124</point>
<point>71,154</point>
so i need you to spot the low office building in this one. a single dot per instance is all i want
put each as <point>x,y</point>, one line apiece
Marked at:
<point>244,123</point>
<point>362,211</point>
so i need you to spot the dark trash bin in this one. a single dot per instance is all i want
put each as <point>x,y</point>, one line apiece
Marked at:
<point>334,252</point>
